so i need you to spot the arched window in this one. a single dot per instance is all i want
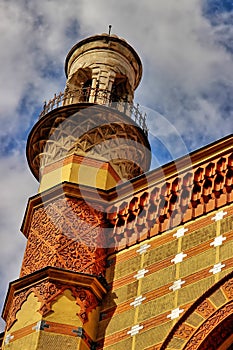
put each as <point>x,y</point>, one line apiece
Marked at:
<point>120,90</point>
<point>86,89</point>
<point>79,85</point>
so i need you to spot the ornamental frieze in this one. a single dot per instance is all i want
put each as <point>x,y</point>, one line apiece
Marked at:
<point>184,331</point>
<point>205,308</point>
<point>228,289</point>
<point>216,322</point>
<point>66,234</point>
<point>212,323</point>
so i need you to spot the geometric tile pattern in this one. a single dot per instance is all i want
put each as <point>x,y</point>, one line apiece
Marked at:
<point>175,313</point>
<point>217,268</point>
<point>179,258</point>
<point>135,330</point>
<point>218,241</point>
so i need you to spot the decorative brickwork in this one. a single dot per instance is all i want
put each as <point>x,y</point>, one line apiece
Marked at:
<point>89,130</point>
<point>47,292</point>
<point>178,200</point>
<point>126,154</point>
<point>184,331</point>
<point>216,323</point>
<point>67,234</point>
<point>218,336</point>
<point>15,307</point>
<point>228,289</point>
<point>162,295</point>
<point>162,206</point>
<point>216,326</point>
<point>205,309</point>
<point>160,299</point>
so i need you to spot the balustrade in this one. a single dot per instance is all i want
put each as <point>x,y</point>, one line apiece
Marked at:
<point>100,96</point>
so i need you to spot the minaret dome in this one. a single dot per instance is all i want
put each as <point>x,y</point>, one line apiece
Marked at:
<point>104,68</point>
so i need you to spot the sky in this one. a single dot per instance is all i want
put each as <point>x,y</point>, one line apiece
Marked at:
<point>187,52</point>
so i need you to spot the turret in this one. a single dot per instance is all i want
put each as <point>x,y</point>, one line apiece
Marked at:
<point>93,119</point>
<point>88,138</point>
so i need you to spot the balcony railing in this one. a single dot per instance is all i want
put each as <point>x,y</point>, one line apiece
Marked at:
<point>99,96</point>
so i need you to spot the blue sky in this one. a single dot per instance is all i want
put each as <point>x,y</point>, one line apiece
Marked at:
<point>187,52</point>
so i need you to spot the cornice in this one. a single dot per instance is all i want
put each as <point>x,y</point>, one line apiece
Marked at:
<point>145,183</point>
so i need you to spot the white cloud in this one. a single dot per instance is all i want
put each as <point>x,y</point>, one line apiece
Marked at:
<point>185,61</point>
<point>188,75</point>
<point>182,52</point>
<point>17,185</point>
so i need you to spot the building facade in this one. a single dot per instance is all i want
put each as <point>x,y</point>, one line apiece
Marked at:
<point>117,256</point>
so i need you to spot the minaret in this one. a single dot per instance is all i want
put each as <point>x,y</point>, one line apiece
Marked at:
<point>87,140</point>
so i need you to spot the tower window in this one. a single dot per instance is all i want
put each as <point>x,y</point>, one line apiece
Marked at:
<point>119,91</point>
<point>86,89</point>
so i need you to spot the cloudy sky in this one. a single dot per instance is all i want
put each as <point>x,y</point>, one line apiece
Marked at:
<point>186,47</point>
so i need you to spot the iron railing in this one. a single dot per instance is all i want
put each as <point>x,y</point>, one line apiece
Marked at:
<point>99,96</point>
